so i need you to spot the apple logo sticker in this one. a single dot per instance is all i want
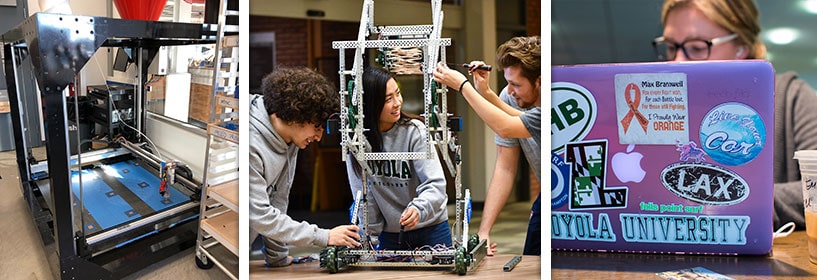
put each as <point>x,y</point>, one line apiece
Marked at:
<point>627,166</point>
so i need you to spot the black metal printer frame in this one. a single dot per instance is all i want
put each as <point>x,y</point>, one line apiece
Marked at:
<point>58,47</point>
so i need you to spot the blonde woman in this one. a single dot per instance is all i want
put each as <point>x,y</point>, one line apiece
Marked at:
<point>729,29</point>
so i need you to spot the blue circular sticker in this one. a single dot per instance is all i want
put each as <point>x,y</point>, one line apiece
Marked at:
<point>732,134</point>
<point>559,181</point>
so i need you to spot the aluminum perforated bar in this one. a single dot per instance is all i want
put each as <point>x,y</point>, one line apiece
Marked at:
<point>444,106</point>
<point>465,221</point>
<point>434,43</point>
<point>366,204</point>
<point>344,111</point>
<point>389,43</point>
<point>391,156</point>
<point>399,264</point>
<point>377,253</point>
<point>401,30</point>
<point>366,17</point>
<point>358,199</point>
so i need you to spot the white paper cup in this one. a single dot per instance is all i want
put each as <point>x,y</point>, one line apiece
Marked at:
<point>807,160</point>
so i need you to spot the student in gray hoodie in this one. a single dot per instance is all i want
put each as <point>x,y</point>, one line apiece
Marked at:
<point>405,197</point>
<point>289,116</point>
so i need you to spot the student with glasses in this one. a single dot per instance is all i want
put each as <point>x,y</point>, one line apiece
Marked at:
<point>729,29</point>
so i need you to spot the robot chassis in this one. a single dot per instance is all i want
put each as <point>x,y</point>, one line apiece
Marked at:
<point>399,54</point>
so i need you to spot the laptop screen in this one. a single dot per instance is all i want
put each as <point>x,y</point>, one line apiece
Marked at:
<point>663,157</point>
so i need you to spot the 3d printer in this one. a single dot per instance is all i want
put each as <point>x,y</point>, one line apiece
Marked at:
<point>109,212</point>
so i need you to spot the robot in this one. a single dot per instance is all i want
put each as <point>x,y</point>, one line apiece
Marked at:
<point>414,50</point>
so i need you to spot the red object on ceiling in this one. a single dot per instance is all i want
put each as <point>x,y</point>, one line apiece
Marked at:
<point>140,9</point>
<point>194,1</point>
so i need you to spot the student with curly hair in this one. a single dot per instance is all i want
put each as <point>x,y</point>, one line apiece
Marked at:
<point>288,116</point>
<point>405,197</point>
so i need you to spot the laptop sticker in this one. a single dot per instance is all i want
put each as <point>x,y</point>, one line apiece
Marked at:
<point>684,229</point>
<point>580,226</point>
<point>573,112</point>
<point>627,165</point>
<point>705,183</point>
<point>732,134</point>
<point>588,165</point>
<point>652,108</point>
<point>559,181</point>
<point>690,151</point>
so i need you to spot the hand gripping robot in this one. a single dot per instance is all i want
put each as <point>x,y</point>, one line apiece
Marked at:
<point>413,49</point>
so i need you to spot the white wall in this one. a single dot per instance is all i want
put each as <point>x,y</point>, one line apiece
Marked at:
<point>186,145</point>
<point>480,39</point>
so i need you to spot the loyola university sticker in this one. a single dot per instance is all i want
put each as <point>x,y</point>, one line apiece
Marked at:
<point>732,134</point>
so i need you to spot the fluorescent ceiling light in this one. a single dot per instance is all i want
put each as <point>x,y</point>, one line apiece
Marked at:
<point>809,6</point>
<point>782,36</point>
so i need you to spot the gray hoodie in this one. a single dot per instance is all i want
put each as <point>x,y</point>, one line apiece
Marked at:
<point>398,184</point>
<point>272,167</point>
<point>795,129</point>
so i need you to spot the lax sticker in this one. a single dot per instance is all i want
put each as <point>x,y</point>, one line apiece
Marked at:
<point>705,183</point>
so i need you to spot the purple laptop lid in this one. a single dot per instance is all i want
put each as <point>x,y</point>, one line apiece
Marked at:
<point>663,157</point>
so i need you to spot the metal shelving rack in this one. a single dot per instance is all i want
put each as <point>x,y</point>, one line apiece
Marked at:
<point>468,251</point>
<point>217,241</point>
<point>58,47</point>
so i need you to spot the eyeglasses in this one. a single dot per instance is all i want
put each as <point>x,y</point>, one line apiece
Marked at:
<point>695,49</point>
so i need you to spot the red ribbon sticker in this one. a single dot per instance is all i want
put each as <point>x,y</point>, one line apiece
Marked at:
<point>633,105</point>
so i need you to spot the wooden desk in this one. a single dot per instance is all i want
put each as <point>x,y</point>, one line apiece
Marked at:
<point>490,268</point>
<point>789,260</point>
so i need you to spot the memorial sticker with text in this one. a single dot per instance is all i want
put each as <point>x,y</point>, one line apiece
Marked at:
<point>652,108</point>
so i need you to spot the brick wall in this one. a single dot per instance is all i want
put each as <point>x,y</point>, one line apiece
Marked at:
<point>292,48</point>
<point>290,38</point>
<point>327,60</point>
<point>534,17</point>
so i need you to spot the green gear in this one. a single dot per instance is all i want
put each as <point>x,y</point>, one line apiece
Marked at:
<point>473,241</point>
<point>460,261</point>
<point>331,260</point>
